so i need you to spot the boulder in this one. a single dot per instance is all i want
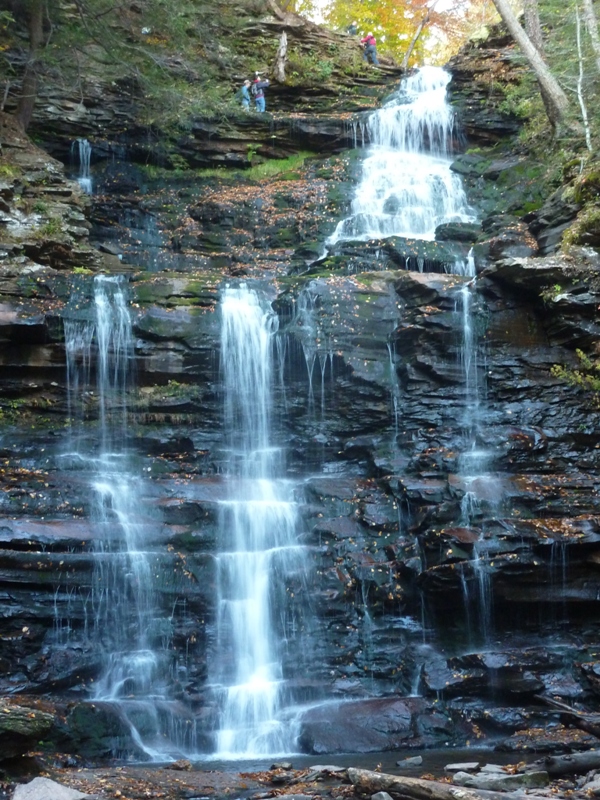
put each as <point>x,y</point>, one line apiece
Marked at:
<point>501,782</point>
<point>47,789</point>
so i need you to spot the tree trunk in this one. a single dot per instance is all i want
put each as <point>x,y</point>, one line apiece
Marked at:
<point>279,69</point>
<point>573,763</point>
<point>590,723</point>
<point>533,28</point>
<point>585,725</point>
<point>367,783</point>
<point>555,100</point>
<point>416,36</point>
<point>26,102</point>
<point>591,23</point>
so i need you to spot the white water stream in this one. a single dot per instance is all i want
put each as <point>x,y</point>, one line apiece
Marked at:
<point>126,627</point>
<point>84,155</point>
<point>407,187</point>
<point>258,548</point>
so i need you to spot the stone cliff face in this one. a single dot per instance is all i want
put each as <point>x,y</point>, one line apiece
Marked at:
<point>453,535</point>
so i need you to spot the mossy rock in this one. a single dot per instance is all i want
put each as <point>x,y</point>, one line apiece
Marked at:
<point>21,728</point>
<point>588,188</point>
<point>172,290</point>
<point>190,325</point>
<point>94,730</point>
<point>586,228</point>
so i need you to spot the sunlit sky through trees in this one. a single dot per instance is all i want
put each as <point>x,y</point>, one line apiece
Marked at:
<point>394,23</point>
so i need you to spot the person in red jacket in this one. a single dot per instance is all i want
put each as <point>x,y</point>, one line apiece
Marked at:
<point>370,48</point>
<point>257,92</point>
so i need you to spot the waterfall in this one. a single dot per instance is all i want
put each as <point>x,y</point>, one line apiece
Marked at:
<point>407,187</point>
<point>481,489</point>
<point>127,628</point>
<point>259,554</point>
<point>84,154</point>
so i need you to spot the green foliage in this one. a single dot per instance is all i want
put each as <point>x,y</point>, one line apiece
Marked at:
<point>276,166</point>
<point>83,271</point>
<point>178,162</point>
<point>551,293</point>
<point>54,227</point>
<point>586,377</point>
<point>9,171</point>
<point>266,169</point>
<point>307,68</point>
<point>584,190</point>
<point>519,100</point>
<point>163,58</point>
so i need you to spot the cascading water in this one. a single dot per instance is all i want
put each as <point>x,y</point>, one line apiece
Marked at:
<point>126,626</point>
<point>481,487</point>
<point>407,187</point>
<point>259,552</point>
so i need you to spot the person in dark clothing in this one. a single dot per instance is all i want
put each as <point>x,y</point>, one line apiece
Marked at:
<point>258,93</point>
<point>352,29</point>
<point>369,44</point>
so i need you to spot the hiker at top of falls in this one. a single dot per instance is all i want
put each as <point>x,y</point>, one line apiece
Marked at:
<point>369,44</point>
<point>258,87</point>
<point>245,94</point>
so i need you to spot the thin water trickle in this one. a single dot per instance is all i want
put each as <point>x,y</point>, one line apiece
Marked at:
<point>313,329</point>
<point>84,155</point>
<point>258,549</point>
<point>407,187</point>
<point>482,491</point>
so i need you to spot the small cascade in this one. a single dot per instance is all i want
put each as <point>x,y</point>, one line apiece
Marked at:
<point>259,561</point>
<point>477,598</point>
<point>84,156</point>
<point>559,564</point>
<point>395,391</point>
<point>126,626</point>
<point>357,128</point>
<point>311,327</point>
<point>468,354</point>
<point>407,187</point>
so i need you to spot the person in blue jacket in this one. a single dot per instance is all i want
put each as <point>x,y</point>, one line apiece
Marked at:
<point>245,93</point>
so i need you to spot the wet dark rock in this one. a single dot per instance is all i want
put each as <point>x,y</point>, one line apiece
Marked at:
<point>458,232</point>
<point>475,86</point>
<point>556,739</point>
<point>369,726</point>
<point>507,237</point>
<point>549,222</point>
